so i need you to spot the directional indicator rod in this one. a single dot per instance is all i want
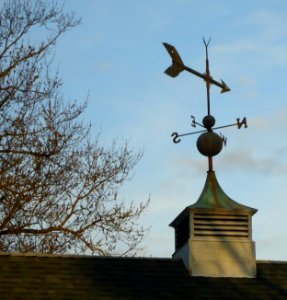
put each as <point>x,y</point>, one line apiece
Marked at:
<point>178,66</point>
<point>239,123</point>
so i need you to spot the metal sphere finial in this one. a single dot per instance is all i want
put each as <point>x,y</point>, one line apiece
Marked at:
<point>209,144</point>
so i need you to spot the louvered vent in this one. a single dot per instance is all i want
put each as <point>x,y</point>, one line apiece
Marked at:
<point>182,233</point>
<point>221,225</point>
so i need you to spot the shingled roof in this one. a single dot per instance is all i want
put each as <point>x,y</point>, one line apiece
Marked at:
<point>90,277</point>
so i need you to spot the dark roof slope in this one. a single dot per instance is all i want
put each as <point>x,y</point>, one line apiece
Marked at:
<point>87,277</point>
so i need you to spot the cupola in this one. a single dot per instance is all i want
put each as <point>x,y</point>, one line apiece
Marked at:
<point>213,236</point>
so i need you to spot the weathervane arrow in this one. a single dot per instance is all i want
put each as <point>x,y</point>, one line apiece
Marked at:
<point>178,66</point>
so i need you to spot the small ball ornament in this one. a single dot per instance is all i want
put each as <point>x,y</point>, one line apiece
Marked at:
<point>208,121</point>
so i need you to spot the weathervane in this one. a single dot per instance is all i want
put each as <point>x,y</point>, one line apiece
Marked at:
<point>209,143</point>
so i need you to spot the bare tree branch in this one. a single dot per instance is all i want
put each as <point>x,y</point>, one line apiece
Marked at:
<point>58,190</point>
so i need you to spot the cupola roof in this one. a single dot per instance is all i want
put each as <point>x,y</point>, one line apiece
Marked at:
<point>213,197</point>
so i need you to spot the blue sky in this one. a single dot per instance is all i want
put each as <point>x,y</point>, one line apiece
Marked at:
<point>116,57</point>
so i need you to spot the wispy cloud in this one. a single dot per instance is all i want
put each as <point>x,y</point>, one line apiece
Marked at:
<point>102,67</point>
<point>273,24</point>
<point>247,161</point>
<point>262,38</point>
<point>241,160</point>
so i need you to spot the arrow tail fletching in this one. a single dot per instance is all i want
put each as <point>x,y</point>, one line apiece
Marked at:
<point>174,70</point>
<point>173,53</point>
<point>177,63</point>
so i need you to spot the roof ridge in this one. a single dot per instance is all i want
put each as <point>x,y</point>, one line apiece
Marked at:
<point>81,256</point>
<point>114,257</point>
<point>271,262</point>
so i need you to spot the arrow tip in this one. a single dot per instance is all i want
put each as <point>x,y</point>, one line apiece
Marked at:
<point>225,88</point>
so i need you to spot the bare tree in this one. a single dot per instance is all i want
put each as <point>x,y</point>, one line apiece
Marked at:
<point>58,190</point>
